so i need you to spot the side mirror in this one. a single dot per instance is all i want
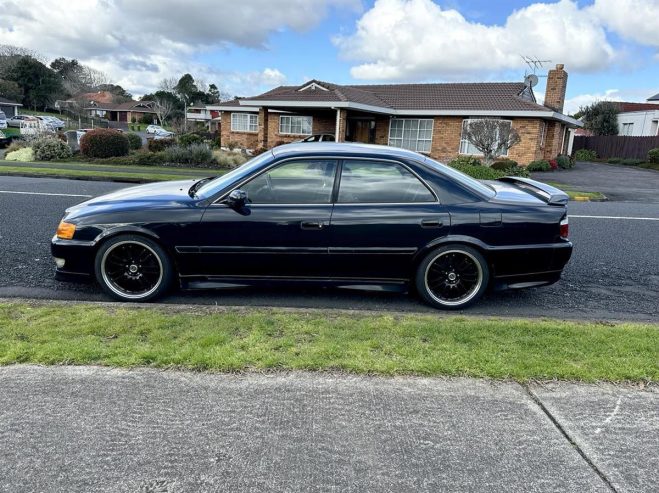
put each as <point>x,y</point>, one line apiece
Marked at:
<point>237,199</point>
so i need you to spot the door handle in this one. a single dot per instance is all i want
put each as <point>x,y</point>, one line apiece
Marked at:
<point>311,225</point>
<point>431,223</point>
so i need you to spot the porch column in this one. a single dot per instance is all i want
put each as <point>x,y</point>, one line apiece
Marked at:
<point>263,128</point>
<point>340,127</point>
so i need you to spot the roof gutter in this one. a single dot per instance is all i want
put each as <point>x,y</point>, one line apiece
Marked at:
<point>547,115</point>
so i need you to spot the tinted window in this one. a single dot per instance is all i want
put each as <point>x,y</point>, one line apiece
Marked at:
<point>383,182</point>
<point>296,182</point>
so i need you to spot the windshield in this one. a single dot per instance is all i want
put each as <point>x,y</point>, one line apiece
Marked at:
<point>221,182</point>
<point>462,178</point>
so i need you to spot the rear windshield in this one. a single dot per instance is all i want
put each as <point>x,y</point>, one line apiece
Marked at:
<point>460,177</point>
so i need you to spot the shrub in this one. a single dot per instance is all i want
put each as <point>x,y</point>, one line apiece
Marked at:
<point>614,160</point>
<point>146,119</point>
<point>133,119</point>
<point>539,165</point>
<point>194,154</point>
<point>49,148</point>
<point>517,171</point>
<point>259,150</point>
<point>554,164</point>
<point>585,155</point>
<point>15,146</point>
<point>504,164</point>
<point>134,141</point>
<point>229,160</point>
<point>24,154</point>
<point>465,161</point>
<point>104,143</point>
<point>632,162</point>
<point>157,145</point>
<point>564,162</point>
<point>146,158</point>
<point>188,139</point>
<point>231,145</point>
<point>479,172</point>
<point>653,155</point>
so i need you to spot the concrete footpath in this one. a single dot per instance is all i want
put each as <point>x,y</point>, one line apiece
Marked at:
<point>70,429</point>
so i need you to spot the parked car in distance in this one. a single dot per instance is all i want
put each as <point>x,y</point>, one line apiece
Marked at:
<point>51,122</point>
<point>347,215</point>
<point>3,120</point>
<point>16,120</point>
<point>34,127</point>
<point>319,138</point>
<point>156,129</point>
<point>5,139</point>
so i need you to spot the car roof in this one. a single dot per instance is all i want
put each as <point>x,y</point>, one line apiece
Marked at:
<point>345,149</point>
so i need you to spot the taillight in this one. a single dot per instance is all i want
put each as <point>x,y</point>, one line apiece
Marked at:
<point>565,228</point>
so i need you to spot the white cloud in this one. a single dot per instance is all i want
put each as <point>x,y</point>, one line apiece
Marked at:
<point>139,42</point>
<point>412,39</point>
<point>632,19</point>
<point>638,95</point>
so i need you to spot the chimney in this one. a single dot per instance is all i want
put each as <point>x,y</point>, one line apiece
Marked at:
<point>555,91</point>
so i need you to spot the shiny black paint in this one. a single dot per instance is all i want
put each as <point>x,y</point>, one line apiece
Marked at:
<point>345,244</point>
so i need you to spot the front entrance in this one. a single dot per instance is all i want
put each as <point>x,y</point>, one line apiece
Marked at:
<point>361,130</point>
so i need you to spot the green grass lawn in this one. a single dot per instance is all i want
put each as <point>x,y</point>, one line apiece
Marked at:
<point>578,194</point>
<point>275,339</point>
<point>653,166</point>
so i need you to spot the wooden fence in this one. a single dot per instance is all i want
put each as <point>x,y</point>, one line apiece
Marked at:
<point>624,147</point>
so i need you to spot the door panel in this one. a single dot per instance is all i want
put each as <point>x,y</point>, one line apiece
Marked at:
<point>283,231</point>
<point>380,241</point>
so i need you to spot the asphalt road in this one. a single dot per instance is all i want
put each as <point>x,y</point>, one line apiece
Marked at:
<point>82,429</point>
<point>613,274</point>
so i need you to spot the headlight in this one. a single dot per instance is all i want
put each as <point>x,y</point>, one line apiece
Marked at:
<point>65,230</point>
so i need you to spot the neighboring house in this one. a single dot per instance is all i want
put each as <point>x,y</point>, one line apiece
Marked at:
<point>639,119</point>
<point>208,114</point>
<point>9,107</point>
<point>427,118</point>
<point>123,112</point>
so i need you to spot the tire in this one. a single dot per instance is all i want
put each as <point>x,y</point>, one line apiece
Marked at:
<point>452,277</point>
<point>133,268</point>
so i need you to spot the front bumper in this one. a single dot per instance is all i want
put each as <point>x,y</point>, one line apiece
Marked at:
<point>78,257</point>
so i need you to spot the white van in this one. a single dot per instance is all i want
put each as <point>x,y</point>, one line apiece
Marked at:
<point>3,120</point>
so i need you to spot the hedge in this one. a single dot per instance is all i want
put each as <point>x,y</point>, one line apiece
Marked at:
<point>103,142</point>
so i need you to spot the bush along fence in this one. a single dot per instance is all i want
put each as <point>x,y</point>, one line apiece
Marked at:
<point>617,146</point>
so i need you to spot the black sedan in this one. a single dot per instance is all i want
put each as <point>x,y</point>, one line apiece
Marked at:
<point>347,215</point>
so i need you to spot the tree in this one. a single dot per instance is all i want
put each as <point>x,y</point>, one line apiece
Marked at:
<point>491,137</point>
<point>186,89</point>
<point>120,95</point>
<point>601,118</point>
<point>213,94</point>
<point>40,85</point>
<point>10,90</point>
<point>166,105</point>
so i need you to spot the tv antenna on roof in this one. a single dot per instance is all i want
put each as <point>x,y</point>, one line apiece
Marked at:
<point>534,64</point>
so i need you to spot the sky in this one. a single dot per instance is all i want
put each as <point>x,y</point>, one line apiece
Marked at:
<point>610,48</point>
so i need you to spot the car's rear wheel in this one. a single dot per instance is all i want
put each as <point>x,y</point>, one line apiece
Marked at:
<point>452,277</point>
<point>133,268</point>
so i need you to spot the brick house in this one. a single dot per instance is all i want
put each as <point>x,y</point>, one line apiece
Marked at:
<point>427,118</point>
<point>123,112</point>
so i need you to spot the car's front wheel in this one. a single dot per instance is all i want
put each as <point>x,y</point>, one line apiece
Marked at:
<point>452,277</point>
<point>133,268</point>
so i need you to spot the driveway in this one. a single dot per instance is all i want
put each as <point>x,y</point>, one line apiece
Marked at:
<point>618,183</point>
<point>70,429</point>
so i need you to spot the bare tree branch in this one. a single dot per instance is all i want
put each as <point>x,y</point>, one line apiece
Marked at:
<point>491,137</point>
<point>163,108</point>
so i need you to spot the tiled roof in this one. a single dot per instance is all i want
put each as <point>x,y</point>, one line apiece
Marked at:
<point>504,96</point>
<point>624,107</point>
<point>654,98</point>
<point>9,102</point>
<point>136,106</point>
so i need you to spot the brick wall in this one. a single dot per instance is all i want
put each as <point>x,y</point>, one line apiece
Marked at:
<point>446,134</point>
<point>323,122</point>
<point>248,140</point>
<point>382,130</point>
<point>530,131</point>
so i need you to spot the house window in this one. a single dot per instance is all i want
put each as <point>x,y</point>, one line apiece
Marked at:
<point>297,125</point>
<point>467,147</point>
<point>627,128</point>
<point>244,122</point>
<point>411,133</point>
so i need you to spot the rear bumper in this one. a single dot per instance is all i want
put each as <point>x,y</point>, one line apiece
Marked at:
<point>78,257</point>
<point>542,264</point>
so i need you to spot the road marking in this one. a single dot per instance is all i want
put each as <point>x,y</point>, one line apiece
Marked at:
<point>619,217</point>
<point>45,193</point>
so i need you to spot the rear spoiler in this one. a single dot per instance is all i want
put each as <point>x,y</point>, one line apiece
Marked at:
<point>547,193</point>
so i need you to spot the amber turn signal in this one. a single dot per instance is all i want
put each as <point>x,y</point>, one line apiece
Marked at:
<point>65,230</point>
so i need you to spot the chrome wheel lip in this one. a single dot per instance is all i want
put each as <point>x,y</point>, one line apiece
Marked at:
<point>464,300</point>
<point>115,289</point>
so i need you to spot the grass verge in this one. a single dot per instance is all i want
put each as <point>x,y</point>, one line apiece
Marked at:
<point>387,344</point>
<point>578,194</point>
